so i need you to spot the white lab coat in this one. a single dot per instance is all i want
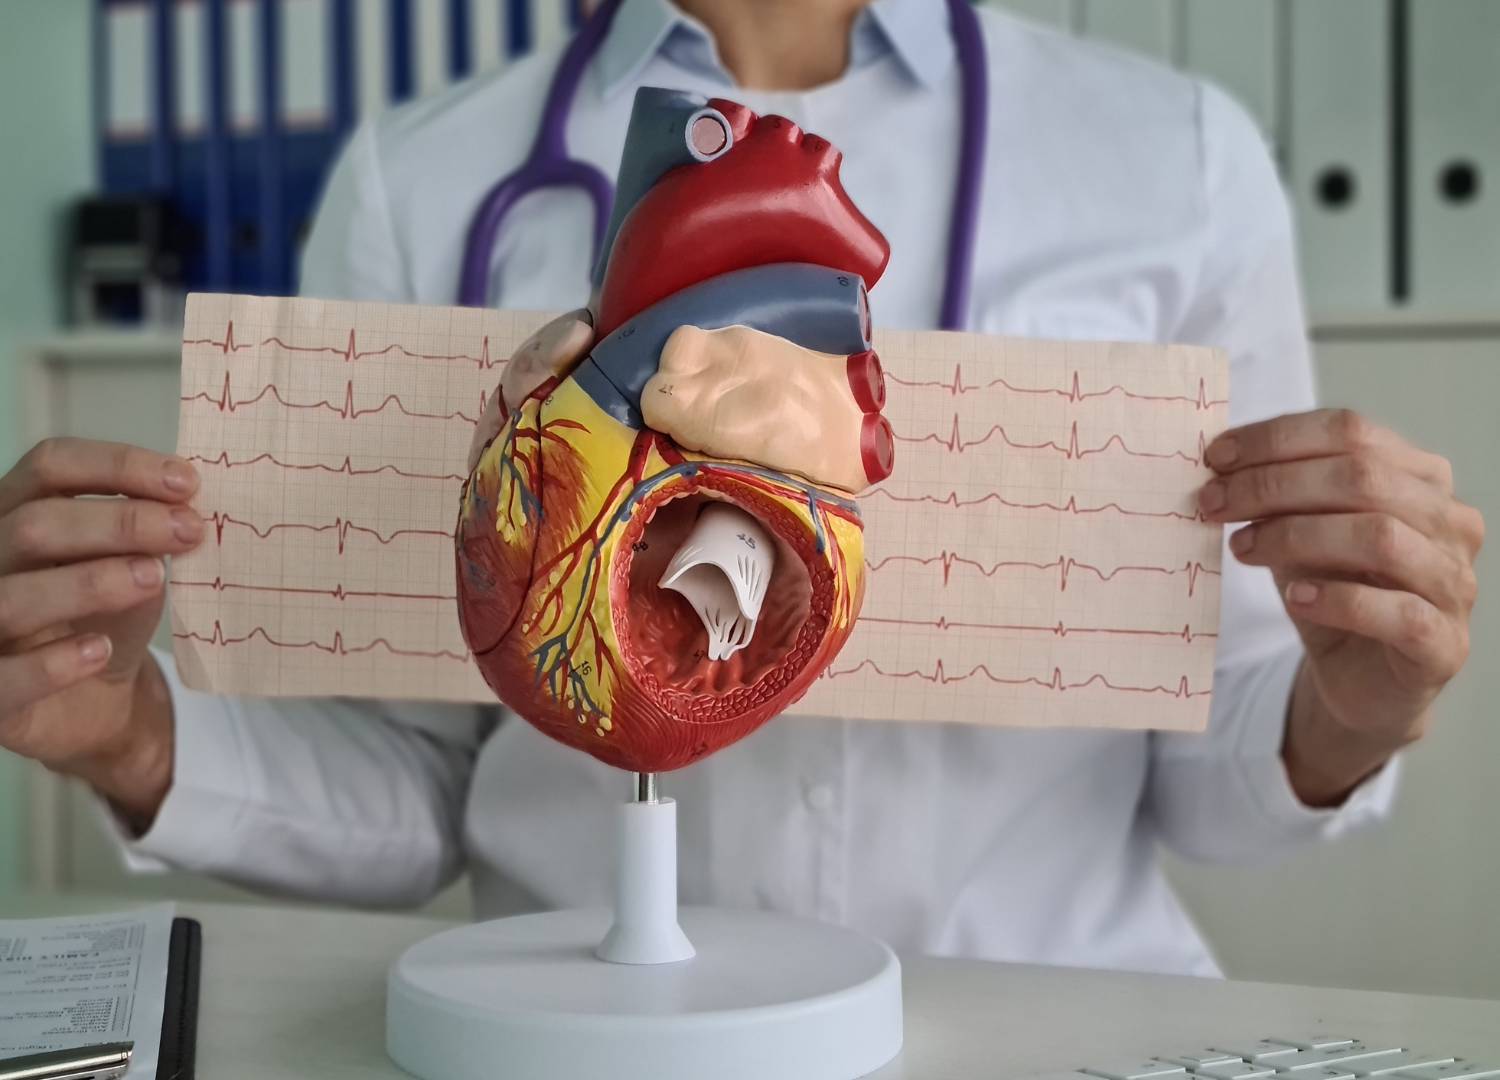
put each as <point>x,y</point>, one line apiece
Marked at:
<point>1121,201</point>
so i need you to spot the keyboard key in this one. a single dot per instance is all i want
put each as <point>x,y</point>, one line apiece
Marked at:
<point>1234,1070</point>
<point>1337,1055</point>
<point>1137,1070</point>
<point>1206,1057</point>
<point>1263,1052</point>
<point>1409,1059</point>
<point>1454,1070</point>
<point>1326,1072</point>
<point>1312,1042</point>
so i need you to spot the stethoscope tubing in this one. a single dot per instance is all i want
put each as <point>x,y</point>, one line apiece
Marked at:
<point>547,163</point>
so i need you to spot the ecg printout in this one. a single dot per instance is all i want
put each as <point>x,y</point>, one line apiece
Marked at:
<point>1036,559</point>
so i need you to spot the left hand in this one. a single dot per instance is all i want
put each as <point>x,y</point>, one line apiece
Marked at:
<point>1374,557</point>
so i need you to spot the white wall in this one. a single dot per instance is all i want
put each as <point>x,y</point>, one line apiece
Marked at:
<point>1414,905</point>
<point>45,88</point>
<point>45,118</point>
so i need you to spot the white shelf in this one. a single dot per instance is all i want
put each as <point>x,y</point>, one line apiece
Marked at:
<point>106,346</point>
<point>155,344</point>
<point>1397,323</point>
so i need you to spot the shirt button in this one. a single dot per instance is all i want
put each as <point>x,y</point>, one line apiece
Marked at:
<point>820,798</point>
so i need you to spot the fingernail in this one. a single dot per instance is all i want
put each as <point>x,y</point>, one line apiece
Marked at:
<point>1302,592</point>
<point>1242,542</point>
<point>1223,453</point>
<point>94,649</point>
<point>1212,497</point>
<point>187,526</point>
<point>177,475</point>
<point>148,573</point>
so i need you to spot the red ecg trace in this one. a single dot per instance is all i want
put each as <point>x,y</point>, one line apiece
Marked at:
<point>224,461</point>
<point>1064,565</point>
<point>349,353</point>
<point>1058,629</point>
<point>1072,392</point>
<point>1070,507</point>
<point>947,560</point>
<point>339,527</point>
<point>333,648</point>
<point>225,401</point>
<point>1055,682</point>
<point>338,592</point>
<point>955,443</point>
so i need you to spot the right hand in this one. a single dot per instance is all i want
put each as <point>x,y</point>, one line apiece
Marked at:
<point>81,589</point>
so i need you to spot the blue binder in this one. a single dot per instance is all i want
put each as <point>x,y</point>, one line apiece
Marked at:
<point>247,190</point>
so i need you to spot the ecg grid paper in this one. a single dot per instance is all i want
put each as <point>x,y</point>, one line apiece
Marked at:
<point>1036,558</point>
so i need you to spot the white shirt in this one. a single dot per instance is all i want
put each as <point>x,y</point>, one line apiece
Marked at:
<point>1121,201</point>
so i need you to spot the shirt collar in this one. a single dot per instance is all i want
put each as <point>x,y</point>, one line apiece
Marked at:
<point>916,31</point>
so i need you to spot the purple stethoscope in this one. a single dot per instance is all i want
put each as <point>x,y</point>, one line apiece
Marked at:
<point>548,164</point>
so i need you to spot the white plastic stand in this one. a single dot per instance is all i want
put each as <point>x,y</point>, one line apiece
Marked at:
<point>645,930</point>
<point>580,995</point>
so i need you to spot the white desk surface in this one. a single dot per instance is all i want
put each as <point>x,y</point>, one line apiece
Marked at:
<point>300,993</point>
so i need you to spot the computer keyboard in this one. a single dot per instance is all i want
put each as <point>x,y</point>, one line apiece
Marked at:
<point>1313,1057</point>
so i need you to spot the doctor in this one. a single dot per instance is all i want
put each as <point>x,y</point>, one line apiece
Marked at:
<point>1120,200</point>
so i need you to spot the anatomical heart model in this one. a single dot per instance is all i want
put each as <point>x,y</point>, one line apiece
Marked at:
<point>659,551</point>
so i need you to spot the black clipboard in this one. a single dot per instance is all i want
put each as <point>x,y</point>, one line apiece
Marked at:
<point>177,1059</point>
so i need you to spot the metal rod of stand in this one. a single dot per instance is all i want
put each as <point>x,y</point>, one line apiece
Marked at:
<point>645,786</point>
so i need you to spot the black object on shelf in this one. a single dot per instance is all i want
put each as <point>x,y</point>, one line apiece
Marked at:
<point>125,262</point>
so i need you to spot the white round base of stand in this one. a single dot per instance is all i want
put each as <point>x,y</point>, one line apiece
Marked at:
<point>526,998</point>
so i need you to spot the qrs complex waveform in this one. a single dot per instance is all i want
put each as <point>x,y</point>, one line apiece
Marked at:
<point>337,592</point>
<point>1055,681</point>
<point>335,646</point>
<point>349,352</point>
<point>1072,391</point>
<point>956,385</point>
<point>1071,448</point>
<point>946,562</point>
<point>949,499</point>
<point>953,500</point>
<point>1057,629</point>
<point>225,401</point>
<point>954,441</point>
<point>338,527</point>
<point>347,467</point>
<point>1063,566</point>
